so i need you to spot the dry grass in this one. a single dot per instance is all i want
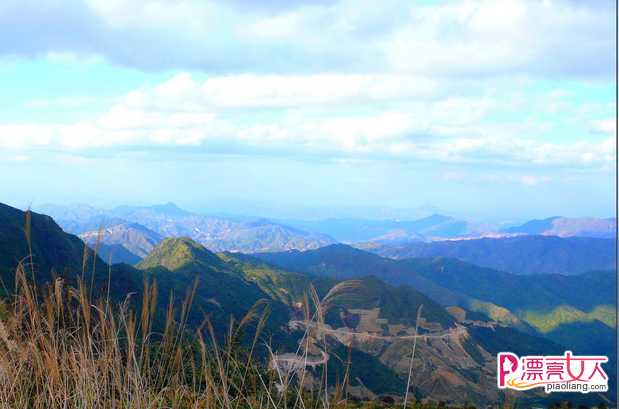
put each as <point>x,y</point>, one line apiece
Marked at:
<point>60,348</point>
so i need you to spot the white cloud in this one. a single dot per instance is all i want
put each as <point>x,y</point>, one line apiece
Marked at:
<point>606,126</point>
<point>297,114</point>
<point>334,78</point>
<point>511,36</point>
<point>20,136</point>
<point>455,38</point>
<point>532,180</point>
<point>250,90</point>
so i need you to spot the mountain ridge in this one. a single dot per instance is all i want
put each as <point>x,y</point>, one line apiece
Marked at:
<point>371,319</point>
<point>527,254</point>
<point>168,220</point>
<point>568,227</point>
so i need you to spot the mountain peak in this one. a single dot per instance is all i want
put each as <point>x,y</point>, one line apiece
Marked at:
<point>260,222</point>
<point>175,253</point>
<point>340,248</point>
<point>167,210</point>
<point>170,209</point>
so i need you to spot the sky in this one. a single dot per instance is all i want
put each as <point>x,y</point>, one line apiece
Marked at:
<point>494,110</point>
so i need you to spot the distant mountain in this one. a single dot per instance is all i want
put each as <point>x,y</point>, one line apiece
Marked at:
<point>568,227</point>
<point>458,368</point>
<point>79,218</point>
<point>455,282</point>
<point>134,238</point>
<point>370,233</point>
<point>519,255</point>
<point>344,262</point>
<point>516,292</point>
<point>398,303</point>
<point>168,220</point>
<point>174,264</point>
<point>542,304</point>
<point>115,254</point>
<point>367,321</point>
<point>370,323</point>
<point>168,210</point>
<point>396,236</point>
<point>262,236</point>
<point>77,212</point>
<point>224,288</point>
<point>222,234</point>
<point>363,230</point>
<point>572,334</point>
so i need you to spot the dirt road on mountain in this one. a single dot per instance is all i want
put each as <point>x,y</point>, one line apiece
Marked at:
<point>347,333</point>
<point>294,362</point>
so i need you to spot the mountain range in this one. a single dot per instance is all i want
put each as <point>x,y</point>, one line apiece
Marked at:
<point>554,245</point>
<point>455,282</point>
<point>568,227</point>
<point>139,228</point>
<point>530,254</point>
<point>438,227</point>
<point>124,242</point>
<point>370,304</point>
<point>362,230</point>
<point>560,308</point>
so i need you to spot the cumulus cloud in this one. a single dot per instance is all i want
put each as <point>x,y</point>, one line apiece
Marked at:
<point>490,37</point>
<point>605,126</point>
<point>346,79</point>
<point>296,114</point>
<point>275,91</point>
<point>468,37</point>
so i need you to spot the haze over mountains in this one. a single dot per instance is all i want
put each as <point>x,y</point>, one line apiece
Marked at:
<point>360,230</point>
<point>554,245</point>
<point>134,238</point>
<point>469,312</point>
<point>529,254</point>
<point>567,227</point>
<point>138,229</point>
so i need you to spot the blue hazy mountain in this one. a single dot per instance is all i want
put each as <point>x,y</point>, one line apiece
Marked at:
<point>152,223</point>
<point>361,230</point>
<point>567,227</point>
<point>526,254</point>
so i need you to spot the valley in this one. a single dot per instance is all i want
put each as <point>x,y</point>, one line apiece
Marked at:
<point>334,307</point>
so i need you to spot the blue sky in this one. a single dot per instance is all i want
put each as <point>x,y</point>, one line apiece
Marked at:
<point>491,110</point>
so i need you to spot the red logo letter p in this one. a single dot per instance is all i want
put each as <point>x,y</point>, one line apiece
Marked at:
<point>507,363</point>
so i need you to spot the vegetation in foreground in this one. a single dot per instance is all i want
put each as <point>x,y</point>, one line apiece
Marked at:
<point>60,347</point>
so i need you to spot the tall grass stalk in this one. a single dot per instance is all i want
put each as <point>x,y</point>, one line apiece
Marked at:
<point>60,348</point>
